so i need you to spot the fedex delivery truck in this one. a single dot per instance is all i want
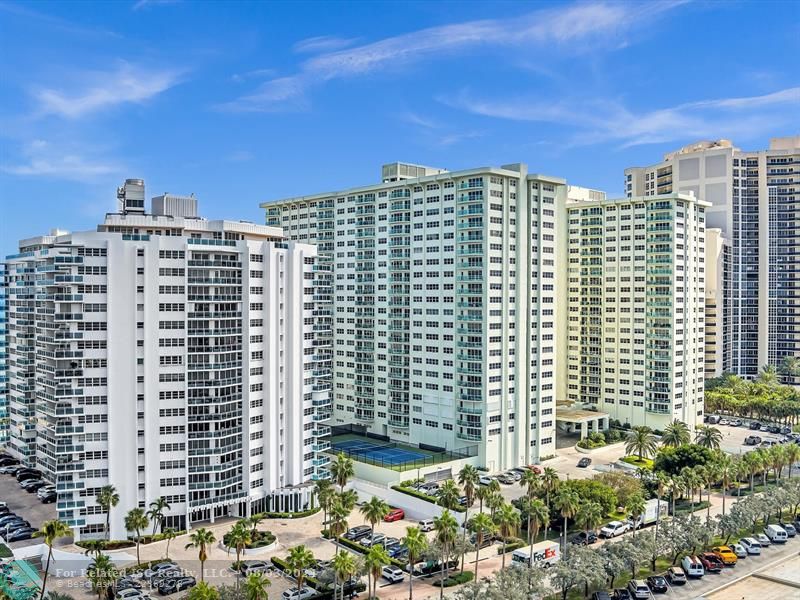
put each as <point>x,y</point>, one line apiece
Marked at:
<point>544,554</point>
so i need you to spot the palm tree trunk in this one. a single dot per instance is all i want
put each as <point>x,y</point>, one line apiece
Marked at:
<point>108,524</point>
<point>477,551</point>
<point>444,562</point>
<point>168,541</point>
<point>411,577</point>
<point>138,560</point>
<point>464,538</point>
<point>503,561</point>
<point>46,571</point>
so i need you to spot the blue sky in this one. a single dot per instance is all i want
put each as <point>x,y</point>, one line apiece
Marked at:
<point>245,102</point>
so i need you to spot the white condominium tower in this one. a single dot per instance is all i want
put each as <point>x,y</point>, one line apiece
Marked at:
<point>168,355</point>
<point>754,202</point>
<point>636,296</point>
<point>444,306</point>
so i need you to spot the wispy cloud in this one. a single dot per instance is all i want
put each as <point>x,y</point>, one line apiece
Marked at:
<point>439,134</point>
<point>43,159</point>
<point>254,74</point>
<point>596,121</point>
<point>126,84</point>
<point>144,4</point>
<point>579,27</point>
<point>322,43</point>
<point>52,22</point>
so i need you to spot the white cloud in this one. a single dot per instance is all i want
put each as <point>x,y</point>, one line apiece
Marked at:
<point>580,27</point>
<point>144,4</point>
<point>126,84</point>
<point>322,43</point>
<point>43,159</point>
<point>254,74</point>
<point>596,121</point>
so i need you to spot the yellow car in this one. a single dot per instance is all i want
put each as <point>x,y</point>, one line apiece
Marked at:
<point>726,555</point>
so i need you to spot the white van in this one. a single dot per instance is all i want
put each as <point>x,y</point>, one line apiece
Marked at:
<point>776,534</point>
<point>426,525</point>
<point>751,545</point>
<point>692,566</point>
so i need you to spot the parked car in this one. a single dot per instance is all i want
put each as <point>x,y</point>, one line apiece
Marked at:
<point>394,515</point>
<point>751,545</point>
<point>724,422</point>
<point>776,534</point>
<point>736,423</point>
<point>601,595</point>
<point>676,576</point>
<point>786,430</point>
<point>25,475</point>
<point>638,589</point>
<point>763,540</point>
<point>158,569</point>
<point>755,425</point>
<point>426,525</point>
<point>726,555</point>
<point>692,567</point>
<point>128,592</point>
<point>739,550</point>
<point>392,574</point>
<point>302,594</point>
<point>356,533</point>
<point>583,538</point>
<point>790,529</point>
<point>45,489</point>
<point>176,585</point>
<point>614,529</point>
<point>584,462</point>
<point>485,480</point>
<point>621,594</point>
<point>124,583</point>
<point>711,562</point>
<point>486,541</point>
<point>372,540</point>
<point>505,478</point>
<point>657,584</point>
<point>253,566</point>
<point>17,525</point>
<point>25,533</point>
<point>31,486</point>
<point>49,498</point>
<point>752,440</point>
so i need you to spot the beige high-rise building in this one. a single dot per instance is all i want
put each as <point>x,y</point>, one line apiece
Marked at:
<point>754,203</point>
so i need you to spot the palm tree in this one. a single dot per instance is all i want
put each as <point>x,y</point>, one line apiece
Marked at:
<point>538,515</point>
<point>93,547</point>
<point>726,470</point>
<point>300,558</point>
<point>156,512</point>
<point>374,561</point>
<point>102,574</point>
<point>635,507</point>
<point>255,586</point>
<point>323,491</point>
<point>106,499</point>
<point>238,538</point>
<point>641,442</point>
<point>255,521</point>
<point>792,456</point>
<point>589,516</point>
<point>449,494</point>
<point>481,494</point>
<point>344,567</point>
<point>203,591</point>
<point>201,539</point>
<point>338,518</point>
<point>550,483</point>
<point>374,511</point>
<point>342,469</point>
<point>169,535</point>
<point>676,434</point>
<point>507,521</point>
<point>135,521</point>
<point>468,479</point>
<point>493,502</point>
<point>415,542</point>
<point>768,375</point>
<point>51,531</point>
<point>708,437</point>
<point>480,526</point>
<point>567,502</point>
<point>446,530</point>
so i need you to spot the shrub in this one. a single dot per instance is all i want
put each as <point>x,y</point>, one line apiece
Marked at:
<point>673,460</point>
<point>456,579</point>
<point>112,544</point>
<point>513,544</point>
<point>5,551</point>
<point>421,496</point>
<point>258,540</point>
<point>144,566</point>
<point>595,491</point>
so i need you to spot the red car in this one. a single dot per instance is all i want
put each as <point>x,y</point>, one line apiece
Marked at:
<point>711,562</point>
<point>394,515</point>
<point>536,469</point>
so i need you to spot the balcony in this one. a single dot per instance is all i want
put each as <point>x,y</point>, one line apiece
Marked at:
<point>472,437</point>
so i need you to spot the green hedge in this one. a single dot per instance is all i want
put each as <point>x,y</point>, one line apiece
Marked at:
<point>456,579</point>
<point>362,550</point>
<point>118,544</point>
<point>325,591</point>
<point>513,544</point>
<point>421,496</point>
<point>261,539</point>
<point>5,552</point>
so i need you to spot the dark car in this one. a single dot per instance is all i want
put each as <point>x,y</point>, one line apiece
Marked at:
<point>27,474</point>
<point>4,510</point>
<point>583,538</point>
<point>711,562</point>
<point>601,595</point>
<point>21,534</point>
<point>176,585</point>
<point>621,594</point>
<point>755,425</point>
<point>786,430</point>
<point>31,486</point>
<point>774,429</point>
<point>752,440</point>
<point>16,525</point>
<point>356,533</point>
<point>9,518</point>
<point>584,462</point>
<point>49,498</point>
<point>657,584</point>
<point>8,461</point>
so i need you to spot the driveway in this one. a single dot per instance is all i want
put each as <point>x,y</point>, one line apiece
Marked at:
<point>28,507</point>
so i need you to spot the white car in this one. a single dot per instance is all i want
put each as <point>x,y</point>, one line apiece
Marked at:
<point>739,550</point>
<point>392,574</point>
<point>751,545</point>
<point>129,593</point>
<point>762,539</point>
<point>253,566</point>
<point>614,529</point>
<point>159,568</point>
<point>485,480</point>
<point>301,594</point>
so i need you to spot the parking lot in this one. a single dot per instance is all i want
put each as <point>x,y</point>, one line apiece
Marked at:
<point>26,506</point>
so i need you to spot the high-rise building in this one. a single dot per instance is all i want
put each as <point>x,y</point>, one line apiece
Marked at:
<point>445,309</point>
<point>4,420</point>
<point>754,202</point>
<point>169,355</point>
<point>636,303</point>
<point>718,305</point>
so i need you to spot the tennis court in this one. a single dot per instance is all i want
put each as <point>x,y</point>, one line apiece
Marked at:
<point>380,453</point>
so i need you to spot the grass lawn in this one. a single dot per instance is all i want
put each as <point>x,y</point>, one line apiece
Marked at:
<point>645,463</point>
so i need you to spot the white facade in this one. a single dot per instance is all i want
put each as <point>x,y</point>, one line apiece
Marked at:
<point>169,356</point>
<point>753,197</point>
<point>718,335</point>
<point>445,309</point>
<point>636,302</point>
